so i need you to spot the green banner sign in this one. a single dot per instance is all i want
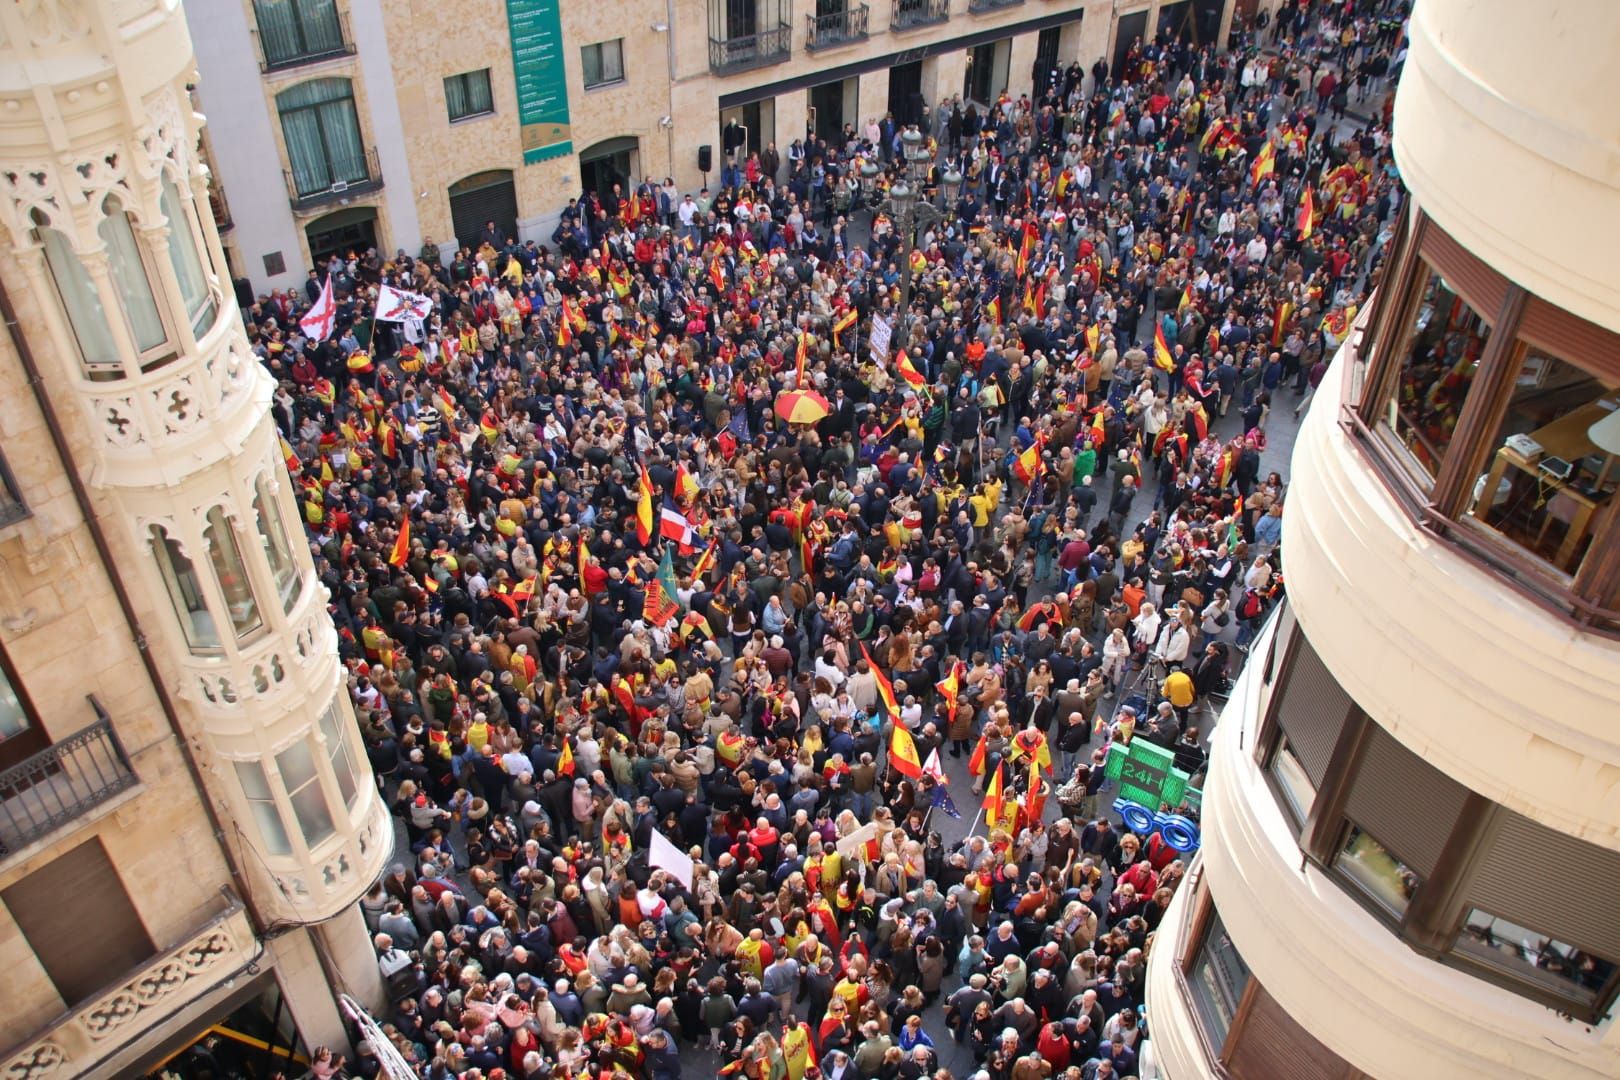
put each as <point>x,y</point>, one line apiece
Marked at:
<point>542,78</point>
<point>1147,774</point>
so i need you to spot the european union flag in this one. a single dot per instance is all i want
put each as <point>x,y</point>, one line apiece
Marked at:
<point>942,801</point>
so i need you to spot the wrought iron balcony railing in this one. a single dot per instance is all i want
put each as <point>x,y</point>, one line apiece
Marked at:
<point>306,43</point>
<point>838,28</point>
<point>910,14</point>
<point>61,783</point>
<point>328,181</point>
<point>979,7</point>
<point>728,55</point>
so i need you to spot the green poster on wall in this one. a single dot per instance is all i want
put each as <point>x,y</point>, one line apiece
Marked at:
<point>542,78</point>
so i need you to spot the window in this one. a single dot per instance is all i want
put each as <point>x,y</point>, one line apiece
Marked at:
<point>77,918</point>
<point>1534,957</point>
<point>1546,478</point>
<point>468,95</point>
<point>322,131</point>
<point>185,592</point>
<point>273,535</point>
<point>1435,367</point>
<point>130,279</point>
<point>298,773</point>
<point>231,573</point>
<point>14,719</point>
<point>1295,784</point>
<point>337,749</point>
<point>86,318</point>
<point>188,267</point>
<point>603,63</point>
<point>293,30</point>
<point>262,803</point>
<point>1376,873</point>
<point>1217,978</point>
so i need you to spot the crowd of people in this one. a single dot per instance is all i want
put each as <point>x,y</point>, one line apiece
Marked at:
<point>602,596</point>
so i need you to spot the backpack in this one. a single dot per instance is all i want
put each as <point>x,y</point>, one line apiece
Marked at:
<point>1251,605</point>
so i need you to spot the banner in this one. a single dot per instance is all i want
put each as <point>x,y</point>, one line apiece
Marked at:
<point>663,855</point>
<point>542,81</point>
<point>396,305</point>
<point>879,337</point>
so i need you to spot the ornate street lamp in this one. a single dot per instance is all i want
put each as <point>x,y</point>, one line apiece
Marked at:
<point>910,215</point>
<point>914,150</point>
<point>950,185</point>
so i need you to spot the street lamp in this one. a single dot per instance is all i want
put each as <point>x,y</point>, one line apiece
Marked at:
<point>869,178</point>
<point>910,215</point>
<point>914,150</point>
<point>950,185</point>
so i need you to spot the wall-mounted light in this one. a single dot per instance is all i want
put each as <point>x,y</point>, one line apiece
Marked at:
<point>659,28</point>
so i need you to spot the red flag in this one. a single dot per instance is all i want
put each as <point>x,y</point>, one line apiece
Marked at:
<point>1163,358</point>
<point>977,758</point>
<point>317,322</point>
<point>903,752</point>
<point>402,544</point>
<point>884,687</point>
<point>565,760</point>
<point>908,370</point>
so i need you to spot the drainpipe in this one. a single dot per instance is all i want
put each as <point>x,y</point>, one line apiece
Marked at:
<point>99,538</point>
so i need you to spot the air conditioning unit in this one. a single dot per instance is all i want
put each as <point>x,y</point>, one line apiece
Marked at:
<point>340,187</point>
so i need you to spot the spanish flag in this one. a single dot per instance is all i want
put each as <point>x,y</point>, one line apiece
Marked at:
<point>446,403</point>
<point>903,752</point>
<point>992,310</point>
<point>644,510</point>
<point>1162,357</point>
<point>1094,337</point>
<point>1027,466</point>
<point>885,688</point>
<point>1026,247</point>
<point>386,436</point>
<point>1305,220</point>
<point>995,801</point>
<point>845,321</point>
<point>686,485</point>
<point>1280,319</point>
<point>287,455</point>
<point>705,561</point>
<point>1265,163</point>
<point>950,688</point>
<point>802,355</point>
<point>717,274</point>
<point>977,758</point>
<point>1034,798</point>
<point>908,370</point>
<point>402,544</point>
<point>489,425</point>
<point>565,760</point>
<point>1187,298</point>
<point>1200,420</point>
<point>565,333</point>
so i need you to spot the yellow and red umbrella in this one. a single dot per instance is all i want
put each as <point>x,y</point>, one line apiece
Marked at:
<point>801,406</point>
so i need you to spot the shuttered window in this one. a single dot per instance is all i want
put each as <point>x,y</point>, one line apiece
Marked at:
<point>1408,804</point>
<point>1563,887</point>
<point>1312,709</point>
<point>79,921</point>
<point>1272,1044</point>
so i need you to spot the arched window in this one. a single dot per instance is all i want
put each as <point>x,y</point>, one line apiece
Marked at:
<point>185,592</point>
<point>131,280</point>
<point>80,302</point>
<point>187,260</point>
<point>231,572</point>
<point>273,535</point>
<point>322,131</point>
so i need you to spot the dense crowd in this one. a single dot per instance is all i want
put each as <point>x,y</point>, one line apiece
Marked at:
<point>599,600</point>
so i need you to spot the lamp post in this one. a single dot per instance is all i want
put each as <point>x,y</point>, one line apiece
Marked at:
<point>914,151</point>
<point>909,215</point>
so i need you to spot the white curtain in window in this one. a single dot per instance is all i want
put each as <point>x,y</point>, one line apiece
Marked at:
<point>129,275</point>
<point>468,95</point>
<point>80,301</point>
<point>188,267</point>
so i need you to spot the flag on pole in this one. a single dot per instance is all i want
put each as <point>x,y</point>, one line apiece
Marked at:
<point>1232,532</point>
<point>644,509</point>
<point>845,321</point>
<point>1034,800</point>
<point>1026,247</point>
<point>995,800</point>
<point>800,358</point>
<point>993,311</point>
<point>943,801</point>
<point>565,760</point>
<point>934,768</point>
<point>664,855</point>
<point>1163,358</point>
<point>705,561</point>
<point>396,305</point>
<point>977,759</point>
<point>950,687</point>
<point>1028,464</point>
<point>1265,163</point>
<point>903,752</point>
<point>661,603</point>
<point>885,688</point>
<point>686,485</point>
<point>402,544</point>
<point>1305,220</point>
<point>672,525</point>
<point>908,370</point>
<point>318,320</point>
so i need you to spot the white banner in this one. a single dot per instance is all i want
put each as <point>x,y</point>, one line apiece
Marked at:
<point>317,322</point>
<point>396,306</point>
<point>663,855</point>
<point>879,337</point>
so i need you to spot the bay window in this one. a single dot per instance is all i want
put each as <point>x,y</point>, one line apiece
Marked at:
<point>231,572</point>
<point>185,592</point>
<point>188,265</point>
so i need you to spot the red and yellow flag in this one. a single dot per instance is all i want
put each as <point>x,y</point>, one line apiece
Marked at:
<point>705,561</point>
<point>565,760</point>
<point>993,311</point>
<point>995,800</point>
<point>644,509</point>
<point>1305,220</point>
<point>1028,464</point>
<point>885,688</point>
<point>903,752</point>
<point>402,544</point>
<point>977,758</point>
<point>1026,247</point>
<point>950,688</point>
<point>908,370</point>
<point>1163,358</point>
<point>800,357</point>
<point>1265,163</point>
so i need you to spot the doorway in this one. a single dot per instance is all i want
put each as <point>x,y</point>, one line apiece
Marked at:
<point>481,197</point>
<point>612,161</point>
<point>905,93</point>
<point>758,118</point>
<point>1126,30</point>
<point>1046,60</point>
<point>1176,20</point>
<point>833,103</point>
<point>354,229</point>
<point>986,71</point>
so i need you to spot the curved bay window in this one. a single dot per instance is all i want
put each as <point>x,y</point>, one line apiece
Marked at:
<point>1457,877</point>
<point>225,553</point>
<point>132,282</point>
<point>1495,417</point>
<point>185,592</point>
<point>273,535</point>
<point>186,257</point>
<point>86,317</point>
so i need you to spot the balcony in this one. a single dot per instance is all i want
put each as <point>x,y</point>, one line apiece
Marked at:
<point>910,14</point>
<point>329,181</point>
<point>984,7</point>
<point>728,56</point>
<point>89,1036</point>
<point>838,28</point>
<point>62,783</point>
<point>303,42</point>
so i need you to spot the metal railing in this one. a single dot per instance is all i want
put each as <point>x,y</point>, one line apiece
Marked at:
<point>274,58</point>
<point>356,177</point>
<point>838,28</point>
<point>727,55</point>
<point>61,783</point>
<point>978,7</point>
<point>909,14</point>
